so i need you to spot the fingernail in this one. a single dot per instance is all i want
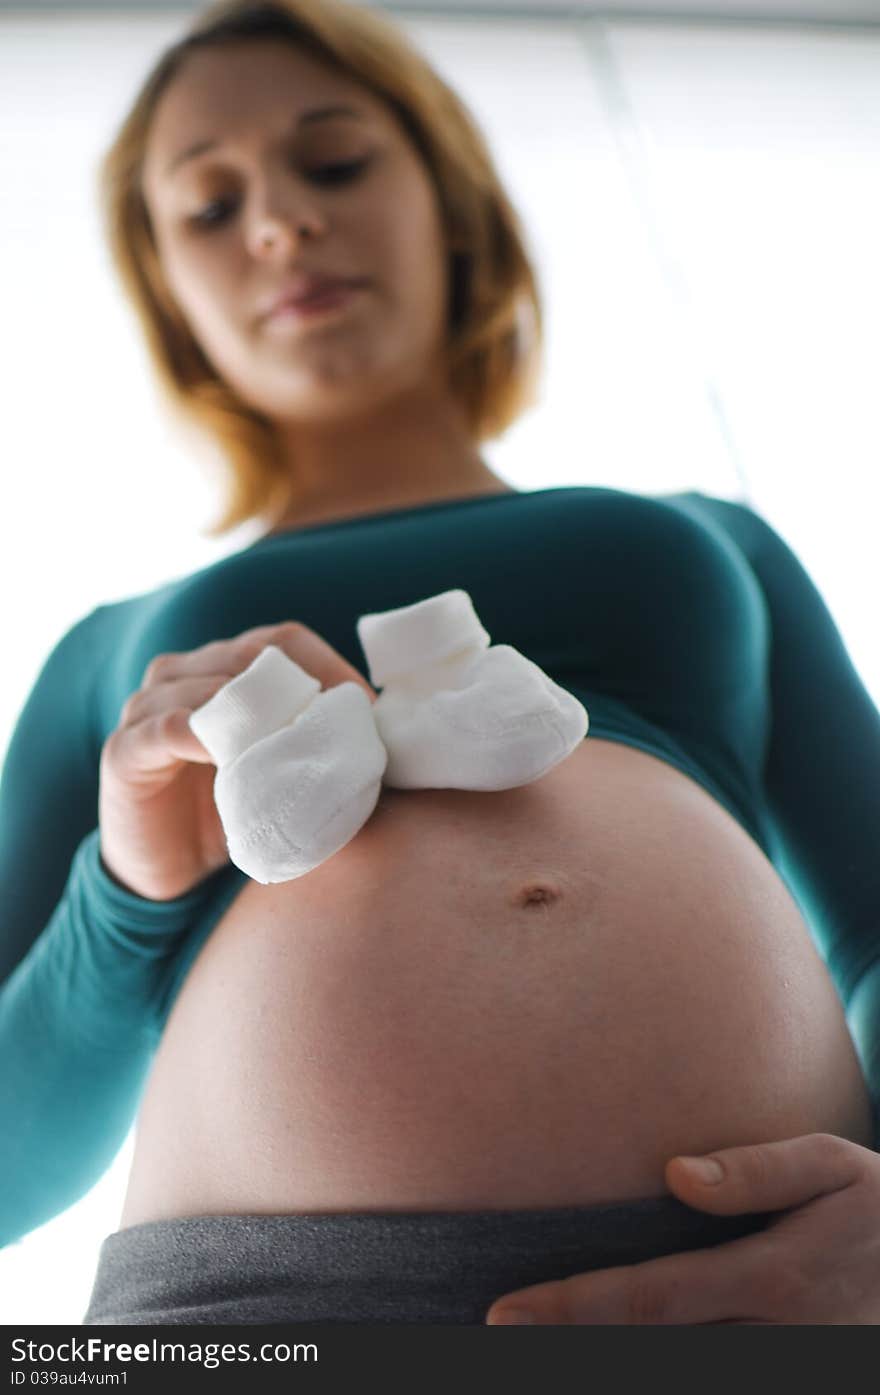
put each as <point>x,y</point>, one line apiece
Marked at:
<point>707,1170</point>
<point>509,1317</point>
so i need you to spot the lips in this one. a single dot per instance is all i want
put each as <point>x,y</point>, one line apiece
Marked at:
<point>309,288</point>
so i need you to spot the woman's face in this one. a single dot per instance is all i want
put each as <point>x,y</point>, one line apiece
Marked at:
<point>235,223</point>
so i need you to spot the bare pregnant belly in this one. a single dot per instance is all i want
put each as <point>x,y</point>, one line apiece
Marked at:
<point>527,998</point>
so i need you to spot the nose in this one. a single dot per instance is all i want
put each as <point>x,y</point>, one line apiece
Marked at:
<point>282,219</point>
<point>274,233</point>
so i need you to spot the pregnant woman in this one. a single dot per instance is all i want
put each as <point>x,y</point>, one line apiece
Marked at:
<point>456,1058</point>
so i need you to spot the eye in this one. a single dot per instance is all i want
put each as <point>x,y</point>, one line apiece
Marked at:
<point>338,174</point>
<point>323,174</point>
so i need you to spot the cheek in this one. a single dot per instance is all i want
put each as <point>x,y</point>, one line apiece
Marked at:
<point>185,275</point>
<point>418,272</point>
<point>206,298</point>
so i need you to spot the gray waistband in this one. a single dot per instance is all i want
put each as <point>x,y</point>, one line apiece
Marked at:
<point>398,1266</point>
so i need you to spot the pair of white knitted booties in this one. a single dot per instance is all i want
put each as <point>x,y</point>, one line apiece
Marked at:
<point>299,769</point>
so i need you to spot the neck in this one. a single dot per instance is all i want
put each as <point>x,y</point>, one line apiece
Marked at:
<point>424,453</point>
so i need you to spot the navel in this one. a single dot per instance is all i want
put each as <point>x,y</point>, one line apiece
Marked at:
<point>537,894</point>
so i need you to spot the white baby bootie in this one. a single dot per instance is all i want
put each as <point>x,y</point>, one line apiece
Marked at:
<point>299,770</point>
<point>455,713</point>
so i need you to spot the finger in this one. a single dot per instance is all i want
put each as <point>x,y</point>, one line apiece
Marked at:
<point>168,696</point>
<point>227,656</point>
<point>232,656</point>
<point>716,1284</point>
<point>319,658</point>
<point>157,744</point>
<point>154,734</point>
<point>770,1176</point>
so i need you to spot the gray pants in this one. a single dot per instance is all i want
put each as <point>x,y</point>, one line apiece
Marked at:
<point>377,1266</point>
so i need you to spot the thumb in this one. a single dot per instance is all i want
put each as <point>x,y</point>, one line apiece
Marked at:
<point>767,1176</point>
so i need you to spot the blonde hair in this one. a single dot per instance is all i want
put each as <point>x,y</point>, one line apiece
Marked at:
<point>495,342</point>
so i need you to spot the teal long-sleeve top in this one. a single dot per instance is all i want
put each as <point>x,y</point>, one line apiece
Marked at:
<point>684,623</point>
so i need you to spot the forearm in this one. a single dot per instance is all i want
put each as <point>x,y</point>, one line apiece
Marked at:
<point>79,1023</point>
<point>65,1110</point>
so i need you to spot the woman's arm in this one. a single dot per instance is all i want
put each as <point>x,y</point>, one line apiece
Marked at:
<point>863,1019</point>
<point>78,1030</point>
<point>822,772</point>
<point>84,960</point>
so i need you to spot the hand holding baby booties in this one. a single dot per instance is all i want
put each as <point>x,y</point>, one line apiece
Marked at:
<point>299,770</point>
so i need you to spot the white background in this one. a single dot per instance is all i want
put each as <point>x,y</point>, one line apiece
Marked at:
<point>703,205</point>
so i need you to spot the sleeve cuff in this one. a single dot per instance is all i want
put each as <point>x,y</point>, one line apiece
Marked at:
<point>119,902</point>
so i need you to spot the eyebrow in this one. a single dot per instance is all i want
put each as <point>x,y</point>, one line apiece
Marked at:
<point>316,114</point>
